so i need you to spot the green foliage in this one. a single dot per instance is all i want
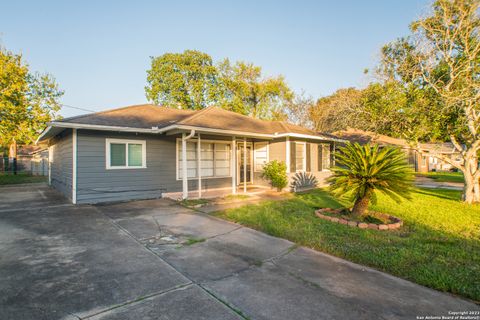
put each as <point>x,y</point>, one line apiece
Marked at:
<point>276,172</point>
<point>194,202</point>
<point>437,247</point>
<point>246,91</point>
<point>438,70</point>
<point>185,80</point>
<point>192,241</point>
<point>400,111</point>
<point>27,100</point>
<point>337,111</point>
<point>363,169</point>
<point>20,178</point>
<point>190,80</point>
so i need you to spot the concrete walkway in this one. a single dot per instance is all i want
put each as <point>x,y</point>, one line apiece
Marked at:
<point>156,260</point>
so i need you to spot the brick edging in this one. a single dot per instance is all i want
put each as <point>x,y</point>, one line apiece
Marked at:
<point>362,225</point>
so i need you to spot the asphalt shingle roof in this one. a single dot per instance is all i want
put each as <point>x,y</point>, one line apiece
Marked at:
<point>147,116</point>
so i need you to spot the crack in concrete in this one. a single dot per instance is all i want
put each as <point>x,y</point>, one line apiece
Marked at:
<point>310,283</point>
<point>191,281</point>
<point>134,301</point>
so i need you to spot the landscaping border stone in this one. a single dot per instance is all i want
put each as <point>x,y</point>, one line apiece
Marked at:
<point>396,224</point>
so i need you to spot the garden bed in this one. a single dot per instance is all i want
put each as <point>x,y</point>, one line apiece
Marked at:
<point>375,220</point>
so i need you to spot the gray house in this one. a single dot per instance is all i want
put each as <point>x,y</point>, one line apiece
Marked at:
<point>140,152</point>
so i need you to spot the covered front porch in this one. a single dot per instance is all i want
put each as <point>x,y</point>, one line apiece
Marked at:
<point>219,165</point>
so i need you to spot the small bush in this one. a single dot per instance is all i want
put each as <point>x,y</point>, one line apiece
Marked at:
<point>276,173</point>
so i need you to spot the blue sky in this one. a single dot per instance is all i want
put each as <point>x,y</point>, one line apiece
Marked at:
<point>99,50</point>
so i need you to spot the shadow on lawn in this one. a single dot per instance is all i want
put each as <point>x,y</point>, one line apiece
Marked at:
<point>321,198</point>
<point>438,258</point>
<point>440,193</point>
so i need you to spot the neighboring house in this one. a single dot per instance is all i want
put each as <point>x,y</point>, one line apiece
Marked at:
<point>30,159</point>
<point>139,152</point>
<point>423,161</point>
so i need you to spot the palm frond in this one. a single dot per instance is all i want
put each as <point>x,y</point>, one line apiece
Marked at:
<point>370,167</point>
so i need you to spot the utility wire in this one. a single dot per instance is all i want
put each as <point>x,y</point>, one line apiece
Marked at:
<point>78,108</point>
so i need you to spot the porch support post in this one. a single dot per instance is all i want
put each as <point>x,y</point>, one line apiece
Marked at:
<point>184,164</point>
<point>287,154</point>
<point>233,164</point>
<point>245,165</point>
<point>184,167</point>
<point>199,166</point>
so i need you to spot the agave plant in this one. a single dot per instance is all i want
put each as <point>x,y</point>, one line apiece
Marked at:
<point>303,180</point>
<point>363,169</point>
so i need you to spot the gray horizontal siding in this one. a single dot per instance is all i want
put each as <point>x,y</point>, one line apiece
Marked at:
<point>61,163</point>
<point>97,184</point>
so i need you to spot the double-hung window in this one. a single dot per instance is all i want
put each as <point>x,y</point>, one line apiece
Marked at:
<point>260,155</point>
<point>215,159</point>
<point>300,156</point>
<point>125,154</point>
<point>323,156</point>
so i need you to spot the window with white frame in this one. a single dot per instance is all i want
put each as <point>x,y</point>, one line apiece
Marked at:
<point>125,154</point>
<point>324,156</point>
<point>300,154</point>
<point>215,158</point>
<point>260,155</point>
<point>207,157</point>
<point>191,160</point>
<point>222,159</point>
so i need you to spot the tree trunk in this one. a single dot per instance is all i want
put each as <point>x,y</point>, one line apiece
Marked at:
<point>361,204</point>
<point>471,189</point>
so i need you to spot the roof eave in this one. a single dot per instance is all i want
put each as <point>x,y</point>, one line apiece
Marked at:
<point>308,136</point>
<point>65,125</point>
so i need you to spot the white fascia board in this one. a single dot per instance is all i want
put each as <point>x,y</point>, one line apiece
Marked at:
<point>307,136</point>
<point>182,127</point>
<point>47,129</point>
<point>221,131</point>
<point>100,127</point>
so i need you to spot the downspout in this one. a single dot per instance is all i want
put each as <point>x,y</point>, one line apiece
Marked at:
<point>184,163</point>
<point>74,166</point>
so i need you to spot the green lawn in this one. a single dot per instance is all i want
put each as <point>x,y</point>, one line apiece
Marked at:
<point>444,176</point>
<point>439,245</point>
<point>20,178</point>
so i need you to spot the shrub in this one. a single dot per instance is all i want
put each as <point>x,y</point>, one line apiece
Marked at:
<point>303,180</point>
<point>364,169</point>
<point>276,173</point>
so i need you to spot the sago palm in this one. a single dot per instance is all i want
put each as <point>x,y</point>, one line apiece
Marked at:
<point>361,170</point>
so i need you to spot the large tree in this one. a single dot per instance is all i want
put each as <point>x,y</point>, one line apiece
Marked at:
<point>298,110</point>
<point>27,101</point>
<point>247,91</point>
<point>336,112</point>
<point>185,80</point>
<point>440,61</point>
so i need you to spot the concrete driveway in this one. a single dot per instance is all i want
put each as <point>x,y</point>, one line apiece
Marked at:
<point>157,260</point>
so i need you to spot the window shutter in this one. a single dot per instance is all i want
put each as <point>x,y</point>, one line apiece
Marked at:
<point>320,157</point>
<point>292,157</point>
<point>308,158</point>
